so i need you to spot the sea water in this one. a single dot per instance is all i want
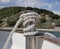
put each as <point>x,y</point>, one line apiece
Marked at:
<point>57,34</point>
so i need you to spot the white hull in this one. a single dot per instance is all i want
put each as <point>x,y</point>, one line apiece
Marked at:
<point>18,42</point>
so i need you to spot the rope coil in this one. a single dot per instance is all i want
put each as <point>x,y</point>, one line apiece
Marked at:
<point>29,22</point>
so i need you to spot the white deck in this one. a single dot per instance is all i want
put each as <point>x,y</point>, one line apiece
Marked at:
<point>18,42</point>
<point>48,45</point>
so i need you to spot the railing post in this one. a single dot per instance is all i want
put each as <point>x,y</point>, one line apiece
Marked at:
<point>30,43</point>
<point>33,43</point>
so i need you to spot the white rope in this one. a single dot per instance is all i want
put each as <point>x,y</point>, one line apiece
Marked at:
<point>10,35</point>
<point>29,22</point>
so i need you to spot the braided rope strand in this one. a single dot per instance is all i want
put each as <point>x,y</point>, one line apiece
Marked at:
<point>11,34</point>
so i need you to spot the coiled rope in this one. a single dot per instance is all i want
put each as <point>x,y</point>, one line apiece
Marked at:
<point>29,22</point>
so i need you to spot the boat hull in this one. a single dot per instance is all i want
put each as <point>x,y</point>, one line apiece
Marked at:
<point>18,41</point>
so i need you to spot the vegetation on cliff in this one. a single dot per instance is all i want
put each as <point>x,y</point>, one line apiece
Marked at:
<point>10,15</point>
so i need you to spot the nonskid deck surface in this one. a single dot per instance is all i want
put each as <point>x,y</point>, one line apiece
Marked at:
<point>18,42</point>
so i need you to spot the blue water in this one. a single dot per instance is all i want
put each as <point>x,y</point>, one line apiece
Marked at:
<point>57,34</point>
